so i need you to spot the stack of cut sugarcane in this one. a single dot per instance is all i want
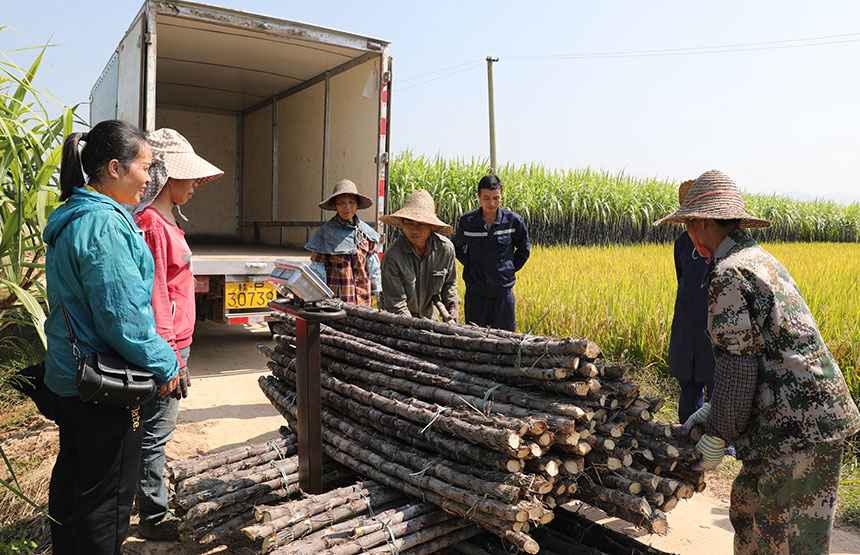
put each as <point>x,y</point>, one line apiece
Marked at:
<point>493,426</point>
<point>214,495</point>
<point>568,533</point>
<point>365,517</point>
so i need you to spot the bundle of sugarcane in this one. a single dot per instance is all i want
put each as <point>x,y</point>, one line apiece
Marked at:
<point>608,407</point>
<point>568,533</point>
<point>644,474</point>
<point>595,386</point>
<point>365,517</point>
<point>505,508</point>
<point>494,352</point>
<point>572,425</point>
<point>215,495</point>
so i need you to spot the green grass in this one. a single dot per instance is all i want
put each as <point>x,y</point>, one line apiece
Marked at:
<point>849,485</point>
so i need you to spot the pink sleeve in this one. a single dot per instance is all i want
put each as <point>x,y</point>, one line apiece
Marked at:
<point>162,306</point>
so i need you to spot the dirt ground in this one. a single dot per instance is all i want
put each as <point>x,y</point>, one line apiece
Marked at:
<point>225,408</point>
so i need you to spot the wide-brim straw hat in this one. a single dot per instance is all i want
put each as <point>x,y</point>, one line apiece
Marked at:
<point>683,189</point>
<point>345,187</point>
<point>713,196</point>
<point>419,207</point>
<point>173,156</point>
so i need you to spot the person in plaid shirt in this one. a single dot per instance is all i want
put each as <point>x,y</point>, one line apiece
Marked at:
<point>779,396</point>
<point>344,250</point>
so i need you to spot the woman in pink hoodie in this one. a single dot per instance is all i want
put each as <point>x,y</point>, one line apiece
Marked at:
<point>176,172</point>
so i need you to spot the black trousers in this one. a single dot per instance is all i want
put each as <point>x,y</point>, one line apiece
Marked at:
<point>94,478</point>
<point>495,312</point>
<point>692,397</point>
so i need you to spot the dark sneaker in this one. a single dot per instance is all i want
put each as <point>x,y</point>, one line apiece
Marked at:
<point>165,529</point>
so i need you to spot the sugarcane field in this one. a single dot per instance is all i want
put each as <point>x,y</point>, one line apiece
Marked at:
<point>443,277</point>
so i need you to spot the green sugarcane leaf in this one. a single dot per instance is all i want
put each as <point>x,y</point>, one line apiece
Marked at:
<point>49,166</point>
<point>11,231</point>
<point>18,493</point>
<point>32,306</point>
<point>26,83</point>
<point>9,466</point>
<point>42,207</point>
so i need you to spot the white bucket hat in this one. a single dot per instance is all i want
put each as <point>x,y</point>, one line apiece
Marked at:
<point>173,156</point>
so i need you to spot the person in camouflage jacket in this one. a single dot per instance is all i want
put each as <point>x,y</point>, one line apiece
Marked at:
<point>779,395</point>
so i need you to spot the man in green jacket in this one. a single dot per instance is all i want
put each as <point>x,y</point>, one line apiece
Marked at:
<point>421,264</point>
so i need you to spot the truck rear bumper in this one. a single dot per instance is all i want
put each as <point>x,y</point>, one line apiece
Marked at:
<point>246,318</point>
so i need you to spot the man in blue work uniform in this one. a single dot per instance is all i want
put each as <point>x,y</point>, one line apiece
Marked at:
<point>493,244</point>
<point>691,360</point>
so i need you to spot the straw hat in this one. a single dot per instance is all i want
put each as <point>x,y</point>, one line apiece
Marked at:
<point>419,207</point>
<point>345,187</point>
<point>713,196</point>
<point>173,156</point>
<point>682,190</point>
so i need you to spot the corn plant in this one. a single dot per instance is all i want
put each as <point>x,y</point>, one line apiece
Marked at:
<point>589,207</point>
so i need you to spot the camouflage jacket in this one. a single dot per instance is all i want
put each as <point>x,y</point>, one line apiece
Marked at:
<point>755,308</point>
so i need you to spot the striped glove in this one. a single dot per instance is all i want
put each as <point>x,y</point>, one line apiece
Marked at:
<point>712,449</point>
<point>698,418</point>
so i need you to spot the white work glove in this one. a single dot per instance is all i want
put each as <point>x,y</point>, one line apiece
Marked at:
<point>713,449</point>
<point>698,418</point>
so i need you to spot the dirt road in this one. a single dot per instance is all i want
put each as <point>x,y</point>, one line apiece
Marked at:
<point>226,408</point>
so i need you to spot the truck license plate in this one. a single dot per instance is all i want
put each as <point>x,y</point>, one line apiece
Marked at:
<point>248,294</point>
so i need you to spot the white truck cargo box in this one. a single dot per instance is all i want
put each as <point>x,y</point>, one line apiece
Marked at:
<point>286,109</point>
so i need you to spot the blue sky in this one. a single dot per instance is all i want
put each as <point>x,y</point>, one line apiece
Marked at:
<point>778,115</point>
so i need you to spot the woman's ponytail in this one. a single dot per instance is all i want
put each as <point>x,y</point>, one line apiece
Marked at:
<point>71,170</point>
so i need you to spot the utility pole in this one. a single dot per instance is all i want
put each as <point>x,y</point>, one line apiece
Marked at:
<point>492,102</point>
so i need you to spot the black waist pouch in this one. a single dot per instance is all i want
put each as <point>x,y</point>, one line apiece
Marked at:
<point>108,379</point>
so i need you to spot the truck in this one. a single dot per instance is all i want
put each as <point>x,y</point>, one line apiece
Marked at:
<point>285,109</point>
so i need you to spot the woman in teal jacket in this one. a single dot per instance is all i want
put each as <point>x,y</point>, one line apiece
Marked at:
<point>100,271</point>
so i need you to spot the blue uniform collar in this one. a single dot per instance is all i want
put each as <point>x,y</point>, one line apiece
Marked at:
<point>498,219</point>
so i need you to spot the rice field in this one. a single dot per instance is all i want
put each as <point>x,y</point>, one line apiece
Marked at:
<point>590,207</point>
<point>622,297</point>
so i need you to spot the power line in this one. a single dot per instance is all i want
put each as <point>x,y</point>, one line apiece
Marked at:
<point>437,71</point>
<point>714,49</point>
<point>471,65</point>
<point>686,51</point>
